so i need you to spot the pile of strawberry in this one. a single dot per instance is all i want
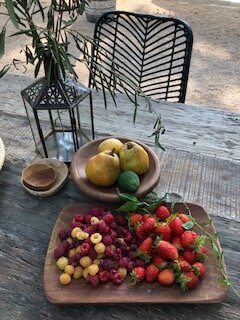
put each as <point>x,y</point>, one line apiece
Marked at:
<point>173,251</point>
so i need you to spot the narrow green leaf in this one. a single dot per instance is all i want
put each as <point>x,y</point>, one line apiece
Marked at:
<point>11,12</point>
<point>4,70</point>
<point>126,196</point>
<point>2,42</point>
<point>188,225</point>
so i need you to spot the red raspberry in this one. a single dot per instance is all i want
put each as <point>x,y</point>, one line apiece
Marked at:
<point>123,261</point>
<point>87,218</point>
<point>113,225</point>
<point>117,278</point>
<point>59,252</point>
<point>103,228</point>
<point>104,276</point>
<point>120,220</point>
<point>93,280</point>
<point>85,248</point>
<point>130,265</point>
<point>107,240</point>
<point>128,237</point>
<point>79,217</point>
<point>108,218</point>
<point>109,252</point>
<point>113,234</point>
<point>75,224</point>
<point>92,254</point>
<point>140,263</point>
<point>64,234</point>
<point>90,229</point>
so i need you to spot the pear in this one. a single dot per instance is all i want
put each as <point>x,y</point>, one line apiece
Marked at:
<point>133,157</point>
<point>103,168</point>
<point>110,144</point>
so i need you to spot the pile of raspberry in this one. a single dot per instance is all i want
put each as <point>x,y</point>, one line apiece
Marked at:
<point>97,246</point>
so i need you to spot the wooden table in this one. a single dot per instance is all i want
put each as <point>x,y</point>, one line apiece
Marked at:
<point>201,162</point>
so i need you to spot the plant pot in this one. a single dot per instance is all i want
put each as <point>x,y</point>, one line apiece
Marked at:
<point>95,8</point>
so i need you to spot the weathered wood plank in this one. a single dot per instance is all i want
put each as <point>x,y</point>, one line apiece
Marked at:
<point>26,226</point>
<point>188,128</point>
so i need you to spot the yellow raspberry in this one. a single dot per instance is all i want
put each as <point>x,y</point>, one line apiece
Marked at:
<point>62,262</point>
<point>72,252</point>
<point>78,249</point>
<point>75,231</point>
<point>85,272</point>
<point>78,272</point>
<point>122,271</point>
<point>85,261</point>
<point>100,247</point>
<point>94,220</point>
<point>65,278</point>
<point>69,269</point>
<point>81,235</point>
<point>96,238</point>
<point>97,261</point>
<point>93,269</point>
<point>70,240</point>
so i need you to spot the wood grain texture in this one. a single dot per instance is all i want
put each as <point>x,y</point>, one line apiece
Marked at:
<point>26,224</point>
<point>209,289</point>
<point>188,128</point>
<point>149,180</point>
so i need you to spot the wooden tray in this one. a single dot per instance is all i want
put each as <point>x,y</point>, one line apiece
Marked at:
<point>209,289</point>
<point>149,180</point>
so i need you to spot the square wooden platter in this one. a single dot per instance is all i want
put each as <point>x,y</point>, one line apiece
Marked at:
<point>209,290</point>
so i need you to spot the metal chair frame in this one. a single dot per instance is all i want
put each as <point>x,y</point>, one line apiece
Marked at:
<point>151,51</point>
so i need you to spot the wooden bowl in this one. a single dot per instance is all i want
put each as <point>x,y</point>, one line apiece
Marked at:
<point>148,181</point>
<point>39,177</point>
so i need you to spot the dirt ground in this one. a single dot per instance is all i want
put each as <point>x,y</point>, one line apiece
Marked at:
<point>214,79</point>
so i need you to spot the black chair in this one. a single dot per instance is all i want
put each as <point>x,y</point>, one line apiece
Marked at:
<point>149,52</point>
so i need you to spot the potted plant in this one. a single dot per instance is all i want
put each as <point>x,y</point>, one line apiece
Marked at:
<point>50,27</point>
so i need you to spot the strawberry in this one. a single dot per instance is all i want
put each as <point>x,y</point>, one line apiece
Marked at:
<point>140,232</point>
<point>184,217</point>
<point>159,262</point>
<point>176,242</point>
<point>162,213</point>
<point>145,249</point>
<point>149,225</point>
<point>201,253</point>
<point>163,229</point>
<point>199,269</point>
<point>188,238</point>
<point>146,245</point>
<point>188,280</point>
<point>146,216</point>
<point>135,218</point>
<point>166,277</point>
<point>166,250</point>
<point>151,273</point>
<point>176,226</point>
<point>137,274</point>
<point>183,264</point>
<point>190,256</point>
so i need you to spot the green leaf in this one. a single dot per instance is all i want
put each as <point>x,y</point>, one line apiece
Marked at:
<point>128,197</point>
<point>188,225</point>
<point>128,206</point>
<point>11,12</point>
<point>216,250</point>
<point>4,70</point>
<point>2,42</point>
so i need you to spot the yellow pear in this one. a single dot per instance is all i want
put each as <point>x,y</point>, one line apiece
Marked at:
<point>133,157</point>
<point>103,169</point>
<point>110,144</point>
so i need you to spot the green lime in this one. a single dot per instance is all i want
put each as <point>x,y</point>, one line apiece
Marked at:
<point>128,181</point>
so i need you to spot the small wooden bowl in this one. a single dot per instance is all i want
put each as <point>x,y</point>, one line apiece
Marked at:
<point>39,177</point>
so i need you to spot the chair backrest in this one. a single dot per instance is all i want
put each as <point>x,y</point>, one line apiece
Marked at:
<point>151,51</point>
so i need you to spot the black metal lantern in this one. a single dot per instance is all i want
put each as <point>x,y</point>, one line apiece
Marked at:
<point>53,112</point>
